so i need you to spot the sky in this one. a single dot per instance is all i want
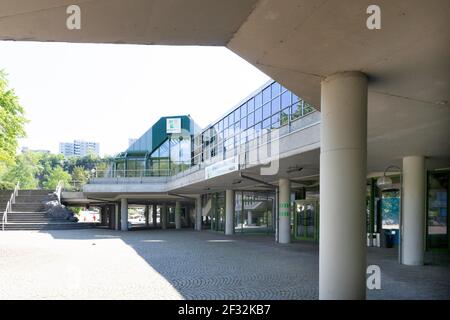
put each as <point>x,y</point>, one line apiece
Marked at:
<point>108,93</point>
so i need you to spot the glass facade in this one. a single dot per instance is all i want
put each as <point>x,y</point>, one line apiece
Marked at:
<point>437,210</point>
<point>271,108</point>
<point>254,212</point>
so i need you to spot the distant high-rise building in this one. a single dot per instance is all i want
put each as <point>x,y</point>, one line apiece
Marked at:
<point>79,148</point>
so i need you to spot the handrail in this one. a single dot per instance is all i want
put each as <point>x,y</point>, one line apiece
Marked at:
<point>9,204</point>
<point>58,190</point>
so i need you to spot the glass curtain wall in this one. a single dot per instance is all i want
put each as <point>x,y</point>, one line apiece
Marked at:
<point>437,212</point>
<point>254,212</point>
<point>271,108</point>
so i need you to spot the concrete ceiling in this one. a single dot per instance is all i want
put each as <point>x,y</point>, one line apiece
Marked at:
<point>297,43</point>
<point>171,22</point>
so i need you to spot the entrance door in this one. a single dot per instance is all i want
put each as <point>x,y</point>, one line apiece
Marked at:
<point>306,220</point>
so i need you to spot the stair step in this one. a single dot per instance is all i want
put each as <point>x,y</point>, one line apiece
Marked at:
<point>48,226</point>
<point>34,192</point>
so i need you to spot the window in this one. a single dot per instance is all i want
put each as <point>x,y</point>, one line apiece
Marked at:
<point>225,122</point>
<point>296,111</point>
<point>237,127</point>
<point>307,108</point>
<point>221,126</point>
<point>276,121</point>
<point>251,119</point>
<point>244,123</point>
<point>230,119</point>
<point>275,105</point>
<point>266,95</point>
<point>258,115</point>
<point>276,88</point>
<point>237,115</point>
<point>251,105</point>
<point>243,110</point>
<point>266,124</point>
<point>295,98</point>
<point>258,100</point>
<point>284,116</point>
<point>285,99</point>
<point>266,111</point>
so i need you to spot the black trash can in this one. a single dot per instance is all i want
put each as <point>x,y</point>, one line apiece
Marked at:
<point>388,238</point>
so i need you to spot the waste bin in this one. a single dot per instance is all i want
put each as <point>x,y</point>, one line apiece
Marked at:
<point>388,238</point>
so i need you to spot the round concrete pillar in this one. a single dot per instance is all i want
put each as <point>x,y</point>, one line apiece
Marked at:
<point>284,212</point>
<point>229,213</point>
<point>342,254</point>
<point>198,213</point>
<point>413,217</point>
<point>177,215</point>
<point>124,214</point>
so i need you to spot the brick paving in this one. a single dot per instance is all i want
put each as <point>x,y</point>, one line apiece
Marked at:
<point>184,264</point>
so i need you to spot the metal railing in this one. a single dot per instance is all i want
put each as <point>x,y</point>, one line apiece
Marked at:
<point>9,204</point>
<point>242,153</point>
<point>58,190</point>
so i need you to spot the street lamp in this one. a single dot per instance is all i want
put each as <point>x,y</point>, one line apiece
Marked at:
<point>93,172</point>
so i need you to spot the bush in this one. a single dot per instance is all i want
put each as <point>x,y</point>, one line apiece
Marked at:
<point>5,185</point>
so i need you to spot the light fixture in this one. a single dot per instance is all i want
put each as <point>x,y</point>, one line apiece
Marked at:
<point>294,169</point>
<point>385,182</point>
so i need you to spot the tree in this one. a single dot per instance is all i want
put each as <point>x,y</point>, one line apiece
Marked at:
<point>24,171</point>
<point>79,176</point>
<point>56,175</point>
<point>12,121</point>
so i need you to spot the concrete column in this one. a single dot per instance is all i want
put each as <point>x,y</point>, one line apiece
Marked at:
<point>146,214</point>
<point>164,216</point>
<point>343,152</point>
<point>284,215</point>
<point>154,214</point>
<point>178,215</point>
<point>249,218</point>
<point>413,217</point>
<point>124,214</point>
<point>198,213</point>
<point>229,212</point>
<point>116,217</point>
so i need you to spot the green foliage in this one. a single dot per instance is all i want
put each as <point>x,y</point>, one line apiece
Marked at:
<point>12,121</point>
<point>42,170</point>
<point>24,171</point>
<point>6,185</point>
<point>56,175</point>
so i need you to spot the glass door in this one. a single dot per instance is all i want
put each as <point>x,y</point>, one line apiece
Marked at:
<point>437,213</point>
<point>306,220</point>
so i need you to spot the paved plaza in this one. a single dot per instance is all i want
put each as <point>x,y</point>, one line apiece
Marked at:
<point>184,264</point>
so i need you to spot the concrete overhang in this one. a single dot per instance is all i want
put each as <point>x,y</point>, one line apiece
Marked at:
<point>297,43</point>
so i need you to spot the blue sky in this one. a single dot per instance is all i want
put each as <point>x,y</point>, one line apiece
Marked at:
<point>109,93</point>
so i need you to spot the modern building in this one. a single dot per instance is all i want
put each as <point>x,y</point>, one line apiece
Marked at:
<point>382,111</point>
<point>27,149</point>
<point>79,148</point>
<point>131,141</point>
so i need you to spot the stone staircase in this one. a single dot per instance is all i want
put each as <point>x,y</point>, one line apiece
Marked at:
<point>28,213</point>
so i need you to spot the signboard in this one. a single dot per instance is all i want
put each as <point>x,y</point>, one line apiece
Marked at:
<point>220,168</point>
<point>173,125</point>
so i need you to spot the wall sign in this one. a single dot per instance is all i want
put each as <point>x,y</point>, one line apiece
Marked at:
<point>173,125</point>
